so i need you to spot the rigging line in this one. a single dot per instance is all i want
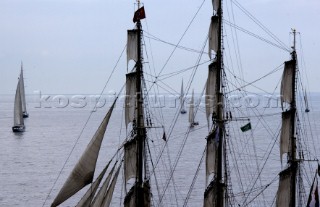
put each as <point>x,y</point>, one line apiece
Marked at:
<point>251,83</point>
<point>184,33</point>
<point>259,24</point>
<point>275,140</point>
<point>178,46</point>
<point>87,121</point>
<point>194,179</point>
<point>255,35</point>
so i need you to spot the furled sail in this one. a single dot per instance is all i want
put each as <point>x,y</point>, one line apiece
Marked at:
<point>284,192</point>
<point>215,4</point>
<point>211,152</point>
<point>210,195</point>
<point>211,90</point>
<point>130,159</point>
<point>83,172</point>
<point>18,119</point>
<point>88,196</point>
<point>130,199</point>
<point>108,197</point>
<point>287,82</point>
<point>23,96</point>
<point>130,100</point>
<point>191,109</point>
<point>102,192</point>
<point>285,133</point>
<point>213,35</point>
<point>132,45</point>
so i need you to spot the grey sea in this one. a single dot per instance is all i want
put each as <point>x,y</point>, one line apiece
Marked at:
<point>35,164</point>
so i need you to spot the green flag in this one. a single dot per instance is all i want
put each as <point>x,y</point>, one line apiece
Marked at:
<point>246,127</point>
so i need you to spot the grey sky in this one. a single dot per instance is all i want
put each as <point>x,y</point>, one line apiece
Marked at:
<point>71,46</point>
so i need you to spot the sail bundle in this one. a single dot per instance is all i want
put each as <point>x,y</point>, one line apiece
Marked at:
<point>286,132</point>
<point>287,82</point>
<point>284,189</point>
<point>130,159</point>
<point>132,45</point>
<point>210,195</point>
<point>130,100</point>
<point>82,174</point>
<point>144,190</point>
<point>211,90</point>
<point>213,35</point>
<point>211,152</point>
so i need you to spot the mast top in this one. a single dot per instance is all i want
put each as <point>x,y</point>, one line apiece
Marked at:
<point>294,32</point>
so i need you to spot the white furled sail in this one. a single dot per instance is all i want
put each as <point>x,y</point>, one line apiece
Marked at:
<point>211,152</point>
<point>132,45</point>
<point>191,109</point>
<point>88,196</point>
<point>130,159</point>
<point>213,35</point>
<point>83,172</point>
<point>211,90</point>
<point>285,133</point>
<point>286,82</point>
<point>23,96</point>
<point>284,189</point>
<point>18,118</point>
<point>130,100</point>
<point>108,197</point>
<point>102,192</point>
<point>215,4</point>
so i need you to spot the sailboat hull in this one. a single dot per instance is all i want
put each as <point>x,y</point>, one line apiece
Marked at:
<point>25,115</point>
<point>18,128</point>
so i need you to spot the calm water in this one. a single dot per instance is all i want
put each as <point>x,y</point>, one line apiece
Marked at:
<point>31,162</point>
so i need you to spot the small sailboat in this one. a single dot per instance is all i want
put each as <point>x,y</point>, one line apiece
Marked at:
<point>183,110</point>
<point>18,124</point>
<point>191,112</point>
<point>23,96</point>
<point>306,102</point>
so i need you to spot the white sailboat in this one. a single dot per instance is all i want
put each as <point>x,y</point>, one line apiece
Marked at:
<point>18,122</point>
<point>192,112</point>
<point>183,110</point>
<point>23,95</point>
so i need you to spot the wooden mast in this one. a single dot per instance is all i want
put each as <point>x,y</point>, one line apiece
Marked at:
<point>292,159</point>
<point>141,133</point>
<point>220,112</point>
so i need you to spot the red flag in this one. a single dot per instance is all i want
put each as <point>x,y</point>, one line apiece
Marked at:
<point>139,14</point>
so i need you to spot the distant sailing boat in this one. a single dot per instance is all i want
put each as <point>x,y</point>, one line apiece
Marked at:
<point>23,96</point>
<point>306,102</point>
<point>18,123</point>
<point>183,110</point>
<point>192,112</point>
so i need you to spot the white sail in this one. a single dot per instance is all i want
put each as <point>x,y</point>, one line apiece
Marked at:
<point>108,197</point>
<point>102,192</point>
<point>283,194</point>
<point>23,96</point>
<point>130,159</point>
<point>88,196</point>
<point>82,173</point>
<point>211,90</point>
<point>18,119</point>
<point>132,45</point>
<point>285,133</point>
<point>286,82</point>
<point>211,152</point>
<point>191,109</point>
<point>213,35</point>
<point>183,110</point>
<point>215,4</point>
<point>130,100</point>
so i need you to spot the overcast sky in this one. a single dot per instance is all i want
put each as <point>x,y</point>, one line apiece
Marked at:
<point>71,46</point>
